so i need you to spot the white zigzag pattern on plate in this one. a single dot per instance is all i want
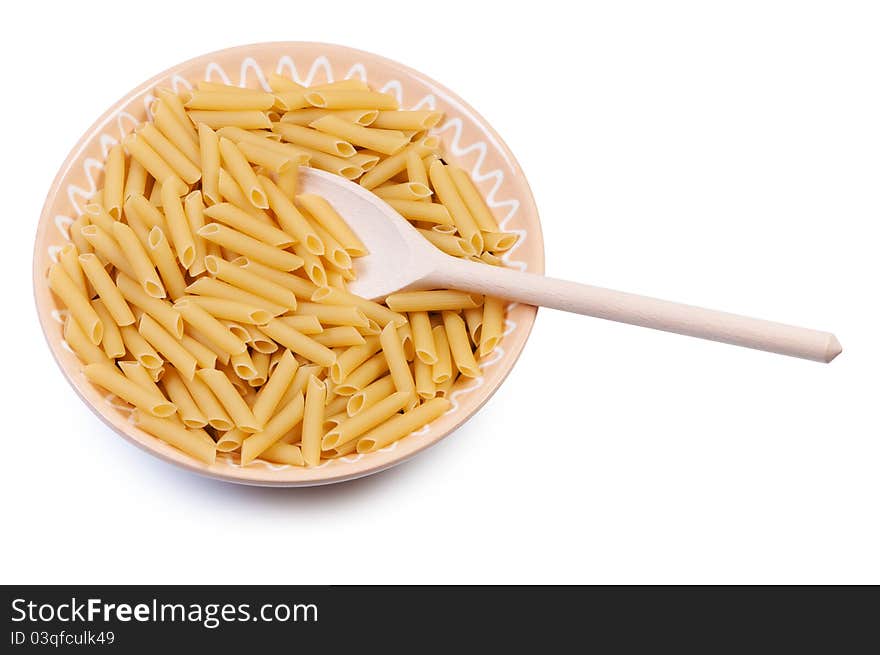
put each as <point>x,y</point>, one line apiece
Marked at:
<point>287,65</point>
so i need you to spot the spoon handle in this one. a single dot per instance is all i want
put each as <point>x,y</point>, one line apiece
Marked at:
<point>622,307</point>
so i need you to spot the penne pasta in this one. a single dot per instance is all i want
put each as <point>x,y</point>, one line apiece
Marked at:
<point>310,114</point>
<point>449,196</point>
<point>314,139</point>
<point>167,346</point>
<point>336,98</point>
<point>257,283</point>
<point>183,168</point>
<point>276,427</point>
<point>205,290</point>
<point>423,301</point>
<point>240,220</point>
<point>392,348</point>
<point>246,120</point>
<point>402,425</point>
<point>313,420</point>
<point>176,132</point>
<point>111,379</point>
<point>192,442</point>
<point>243,244</point>
<point>387,142</point>
<point>459,345</point>
<point>230,399</point>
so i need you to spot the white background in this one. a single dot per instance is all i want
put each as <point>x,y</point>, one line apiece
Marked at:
<point>724,154</point>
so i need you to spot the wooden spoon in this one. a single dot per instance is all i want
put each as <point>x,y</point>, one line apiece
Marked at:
<point>401,259</point>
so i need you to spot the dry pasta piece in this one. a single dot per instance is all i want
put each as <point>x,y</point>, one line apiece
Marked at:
<point>234,217</point>
<point>141,376</point>
<point>402,425</point>
<point>187,408</point>
<point>214,330</point>
<point>443,365</point>
<point>249,247</point>
<point>246,119</point>
<point>164,313</point>
<point>232,310</point>
<point>370,395</point>
<point>271,393</point>
<point>208,404</point>
<point>111,379</point>
<point>499,241</point>
<point>114,181</point>
<point>176,132</point>
<point>106,248</point>
<point>143,267</point>
<point>407,120</point>
<point>291,220</point>
<point>420,210</point>
<point>391,166</point>
<point>209,154</point>
<point>334,314</point>
<point>312,265</point>
<point>283,453</point>
<point>111,341</point>
<point>259,280</point>
<point>448,243</point>
<point>192,442</point>
<point>230,100</point>
<point>280,424</point>
<point>449,196</point>
<point>178,226</point>
<point>350,99</point>
<point>365,420</point>
<point>314,139</point>
<point>493,325</point>
<point>183,168</point>
<point>261,154</point>
<point>76,302</point>
<point>423,375</point>
<point>230,441</point>
<point>473,318</point>
<point>163,258</point>
<point>364,160</point>
<point>209,286</point>
<point>144,154</point>
<point>231,400</point>
<point>81,345</point>
<point>313,419</point>
<point>106,289</point>
<point>68,258</point>
<point>194,209</point>
<point>472,199</point>
<point>135,181</point>
<point>174,103</point>
<point>310,114</point>
<point>340,336</point>
<point>299,343</point>
<point>379,313</point>
<point>423,337</point>
<point>392,348</point>
<point>324,215</point>
<point>205,357</point>
<point>363,375</point>
<point>167,346</point>
<point>387,142</point>
<point>459,345</point>
<point>237,165</point>
<point>353,357</point>
<point>423,301</point>
<point>138,347</point>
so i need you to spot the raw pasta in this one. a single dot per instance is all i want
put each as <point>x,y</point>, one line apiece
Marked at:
<point>205,290</point>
